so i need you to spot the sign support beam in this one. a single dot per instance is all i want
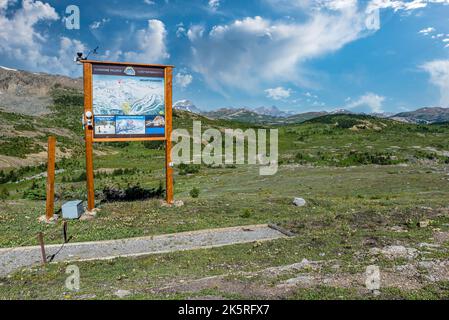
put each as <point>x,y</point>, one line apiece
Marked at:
<point>168,128</point>
<point>50,204</point>
<point>88,127</point>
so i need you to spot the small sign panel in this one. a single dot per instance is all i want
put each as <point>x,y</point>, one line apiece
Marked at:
<point>128,101</point>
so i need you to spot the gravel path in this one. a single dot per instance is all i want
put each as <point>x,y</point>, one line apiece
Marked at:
<point>15,258</point>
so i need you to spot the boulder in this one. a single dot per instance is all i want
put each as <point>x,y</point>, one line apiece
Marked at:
<point>122,293</point>
<point>395,252</point>
<point>299,202</point>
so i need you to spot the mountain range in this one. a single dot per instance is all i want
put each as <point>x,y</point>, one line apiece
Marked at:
<point>29,93</point>
<point>273,115</point>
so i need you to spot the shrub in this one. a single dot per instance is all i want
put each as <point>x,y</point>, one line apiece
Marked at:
<point>185,168</point>
<point>345,123</point>
<point>79,178</point>
<point>156,145</point>
<point>19,147</point>
<point>4,194</point>
<point>117,144</point>
<point>357,158</point>
<point>132,193</point>
<point>64,97</point>
<point>246,214</point>
<point>35,192</point>
<point>195,192</point>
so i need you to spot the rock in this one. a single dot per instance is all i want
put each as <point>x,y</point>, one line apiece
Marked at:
<point>301,280</point>
<point>92,212</point>
<point>429,245</point>
<point>87,296</point>
<point>299,202</point>
<point>398,229</point>
<point>441,237</point>
<point>53,220</point>
<point>178,203</point>
<point>86,217</point>
<point>122,293</point>
<point>394,252</point>
<point>425,264</point>
<point>424,223</point>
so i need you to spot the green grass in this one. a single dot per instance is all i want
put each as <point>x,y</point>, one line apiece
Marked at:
<point>359,175</point>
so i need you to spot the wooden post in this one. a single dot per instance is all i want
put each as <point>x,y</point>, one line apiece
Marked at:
<point>40,238</point>
<point>64,232</point>
<point>168,128</point>
<point>51,151</point>
<point>87,74</point>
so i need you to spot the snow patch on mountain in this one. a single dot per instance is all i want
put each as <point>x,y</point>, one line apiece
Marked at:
<point>186,105</point>
<point>7,69</point>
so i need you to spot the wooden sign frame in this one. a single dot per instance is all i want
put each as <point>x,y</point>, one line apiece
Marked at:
<point>89,128</point>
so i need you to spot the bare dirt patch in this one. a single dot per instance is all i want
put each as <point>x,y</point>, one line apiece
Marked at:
<point>271,283</point>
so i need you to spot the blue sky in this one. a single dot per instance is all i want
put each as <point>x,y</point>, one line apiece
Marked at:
<point>298,55</point>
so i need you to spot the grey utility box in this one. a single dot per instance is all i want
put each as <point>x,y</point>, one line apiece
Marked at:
<point>72,209</point>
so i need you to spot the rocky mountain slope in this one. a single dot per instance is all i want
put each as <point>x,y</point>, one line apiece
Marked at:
<point>424,115</point>
<point>186,105</point>
<point>30,93</point>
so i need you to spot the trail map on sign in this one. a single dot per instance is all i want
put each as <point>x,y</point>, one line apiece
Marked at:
<point>128,101</point>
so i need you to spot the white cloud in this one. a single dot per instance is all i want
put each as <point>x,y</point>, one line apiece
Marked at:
<point>64,60</point>
<point>183,79</point>
<point>370,100</point>
<point>97,24</point>
<point>181,30</point>
<point>214,4</point>
<point>278,93</point>
<point>195,32</point>
<point>26,47</point>
<point>3,4</point>
<point>20,42</point>
<point>426,31</point>
<point>252,51</point>
<point>150,43</point>
<point>439,76</point>
<point>150,2</point>
<point>397,5</point>
<point>310,95</point>
<point>17,34</point>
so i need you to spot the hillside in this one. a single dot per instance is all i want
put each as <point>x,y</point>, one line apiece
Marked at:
<point>424,115</point>
<point>30,93</point>
<point>241,115</point>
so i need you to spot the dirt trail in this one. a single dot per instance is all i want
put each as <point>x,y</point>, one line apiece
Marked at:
<point>15,258</point>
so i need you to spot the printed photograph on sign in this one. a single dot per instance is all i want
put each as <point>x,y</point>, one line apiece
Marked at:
<point>104,125</point>
<point>130,125</point>
<point>128,101</point>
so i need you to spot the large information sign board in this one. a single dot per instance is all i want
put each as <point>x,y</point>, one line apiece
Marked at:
<point>128,102</point>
